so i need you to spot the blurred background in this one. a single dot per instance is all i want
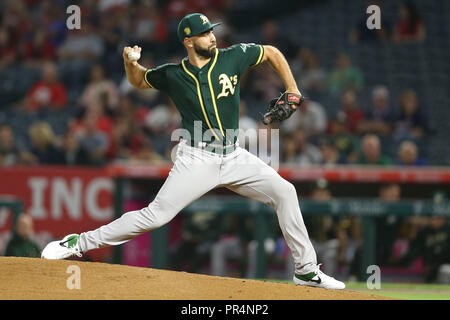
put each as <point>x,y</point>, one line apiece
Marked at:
<point>368,153</point>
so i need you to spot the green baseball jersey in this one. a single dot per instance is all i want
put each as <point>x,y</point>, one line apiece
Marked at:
<point>207,98</point>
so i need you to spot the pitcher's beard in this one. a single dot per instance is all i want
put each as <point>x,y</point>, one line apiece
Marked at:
<point>204,53</point>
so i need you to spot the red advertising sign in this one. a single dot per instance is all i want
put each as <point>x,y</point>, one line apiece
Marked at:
<point>61,200</point>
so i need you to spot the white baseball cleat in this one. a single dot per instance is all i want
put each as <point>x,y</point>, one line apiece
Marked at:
<point>318,279</point>
<point>65,248</point>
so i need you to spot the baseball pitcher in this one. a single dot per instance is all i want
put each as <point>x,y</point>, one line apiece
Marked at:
<point>205,89</point>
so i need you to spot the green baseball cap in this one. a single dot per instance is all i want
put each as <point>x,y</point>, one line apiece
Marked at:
<point>194,24</point>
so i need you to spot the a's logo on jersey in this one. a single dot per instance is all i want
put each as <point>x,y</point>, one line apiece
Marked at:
<point>228,85</point>
<point>204,19</point>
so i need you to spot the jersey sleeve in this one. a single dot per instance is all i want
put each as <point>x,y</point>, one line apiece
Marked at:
<point>248,55</point>
<point>157,78</point>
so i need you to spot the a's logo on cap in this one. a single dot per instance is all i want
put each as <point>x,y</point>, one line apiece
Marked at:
<point>187,31</point>
<point>204,19</point>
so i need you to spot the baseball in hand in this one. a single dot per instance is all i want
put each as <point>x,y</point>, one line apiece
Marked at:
<point>134,55</point>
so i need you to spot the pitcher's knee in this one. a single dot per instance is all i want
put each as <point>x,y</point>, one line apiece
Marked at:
<point>286,191</point>
<point>158,213</point>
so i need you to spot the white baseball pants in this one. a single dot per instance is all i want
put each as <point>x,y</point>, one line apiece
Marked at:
<point>194,173</point>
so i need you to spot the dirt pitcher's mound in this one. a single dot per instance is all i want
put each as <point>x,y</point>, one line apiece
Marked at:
<point>27,278</point>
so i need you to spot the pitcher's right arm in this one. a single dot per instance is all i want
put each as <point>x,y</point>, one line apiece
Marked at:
<point>135,72</point>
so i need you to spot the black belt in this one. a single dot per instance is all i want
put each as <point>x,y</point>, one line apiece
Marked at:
<point>213,147</point>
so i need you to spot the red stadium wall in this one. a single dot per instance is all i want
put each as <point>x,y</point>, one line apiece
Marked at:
<point>61,200</point>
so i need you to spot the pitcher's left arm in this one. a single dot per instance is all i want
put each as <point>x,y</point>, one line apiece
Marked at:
<point>279,63</point>
<point>282,107</point>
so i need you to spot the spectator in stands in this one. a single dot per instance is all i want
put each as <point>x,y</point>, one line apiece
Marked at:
<point>39,47</point>
<point>44,148</point>
<point>17,20</point>
<point>131,142</point>
<point>103,121</point>
<point>311,117</point>
<point>371,152</point>
<point>83,44</point>
<point>54,20</point>
<point>120,138</point>
<point>307,153</point>
<point>22,243</point>
<point>124,124</point>
<point>111,5</point>
<point>9,153</point>
<point>72,154</point>
<point>130,109</point>
<point>345,75</point>
<point>77,52</point>
<point>93,140</point>
<point>380,119</point>
<point>133,128</point>
<point>8,52</point>
<point>390,192</point>
<point>127,138</point>
<point>411,123</point>
<point>330,153</point>
<point>310,76</point>
<point>408,155</point>
<point>100,90</point>
<point>111,33</point>
<point>345,142</point>
<point>354,114</point>
<point>49,92</point>
<point>150,26</point>
<point>142,150</point>
<point>177,9</point>
<point>410,27</point>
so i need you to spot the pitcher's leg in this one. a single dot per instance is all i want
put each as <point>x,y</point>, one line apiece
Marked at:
<point>256,180</point>
<point>187,181</point>
<point>129,225</point>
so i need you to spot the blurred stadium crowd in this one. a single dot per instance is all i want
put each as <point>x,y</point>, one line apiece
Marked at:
<point>375,97</point>
<point>65,99</point>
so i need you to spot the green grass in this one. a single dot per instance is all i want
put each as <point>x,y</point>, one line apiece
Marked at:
<point>405,286</point>
<point>411,296</point>
<point>407,291</point>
